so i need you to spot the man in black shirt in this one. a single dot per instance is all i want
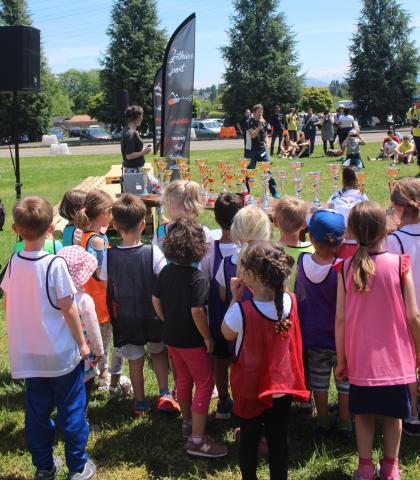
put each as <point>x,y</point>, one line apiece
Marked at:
<point>277,125</point>
<point>257,142</point>
<point>310,122</point>
<point>242,126</point>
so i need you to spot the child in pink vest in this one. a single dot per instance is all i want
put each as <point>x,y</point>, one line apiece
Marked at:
<point>377,338</point>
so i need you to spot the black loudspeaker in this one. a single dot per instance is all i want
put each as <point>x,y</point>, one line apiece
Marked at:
<point>20,59</point>
<point>122,100</point>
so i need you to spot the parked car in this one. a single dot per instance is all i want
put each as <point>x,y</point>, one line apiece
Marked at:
<point>74,132</point>
<point>95,133</point>
<point>57,132</point>
<point>117,134</point>
<point>206,128</point>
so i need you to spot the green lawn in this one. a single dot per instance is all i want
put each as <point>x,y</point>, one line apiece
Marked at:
<point>152,447</point>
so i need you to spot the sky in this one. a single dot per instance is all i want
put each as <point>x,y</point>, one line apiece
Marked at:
<point>74,33</point>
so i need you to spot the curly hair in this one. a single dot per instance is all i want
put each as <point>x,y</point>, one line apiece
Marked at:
<point>272,265</point>
<point>185,242</point>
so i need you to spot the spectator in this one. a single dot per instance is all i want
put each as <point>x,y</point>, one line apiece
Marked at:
<point>277,124</point>
<point>310,121</point>
<point>352,146</point>
<point>288,147</point>
<point>337,115</point>
<point>345,123</point>
<point>327,130</point>
<point>387,151</point>
<point>391,134</point>
<point>292,124</point>
<point>405,150</point>
<point>413,117</point>
<point>242,126</point>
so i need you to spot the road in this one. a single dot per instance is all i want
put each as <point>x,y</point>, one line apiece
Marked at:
<point>29,151</point>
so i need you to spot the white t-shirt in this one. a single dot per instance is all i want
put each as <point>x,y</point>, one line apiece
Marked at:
<point>159,262</point>
<point>345,200</point>
<point>206,265</point>
<point>345,121</point>
<point>40,342</point>
<point>233,317</point>
<point>315,272</point>
<point>390,147</point>
<point>220,274</point>
<point>409,243</point>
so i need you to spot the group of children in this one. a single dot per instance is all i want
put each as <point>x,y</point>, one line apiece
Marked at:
<point>281,316</point>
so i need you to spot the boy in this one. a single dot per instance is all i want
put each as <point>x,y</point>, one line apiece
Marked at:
<point>130,270</point>
<point>352,145</point>
<point>405,150</point>
<point>290,218</point>
<point>46,344</point>
<point>387,151</point>
<point>225,208</point>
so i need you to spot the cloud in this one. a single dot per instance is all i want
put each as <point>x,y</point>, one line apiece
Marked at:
<point>330,73</point>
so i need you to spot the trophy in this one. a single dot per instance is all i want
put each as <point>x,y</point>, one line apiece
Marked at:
<point>183,170</point>
<point>145,171</point>
<point>201,162</point>
<point>243,172</point>
<point>167,174</point>
<point>265,167</point>
<point>181,161</point>
<point>221,166</point>
<point>282,175</point>
<point>243,162</point>
<point>229,172</point>
<point>211,179</point>
<point>361,178</point>
<point>296,167</point>
<point>299,182</point>
<point>335,171</point>
<point>161,165</point>
<point>251,173</point>
<point>316,177</point>
<point>392,172</point>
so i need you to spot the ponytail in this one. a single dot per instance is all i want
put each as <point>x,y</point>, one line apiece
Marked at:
<point>185,193</point>
<point>96,203</point>
<point>81,220</point>
<point>363,268</point>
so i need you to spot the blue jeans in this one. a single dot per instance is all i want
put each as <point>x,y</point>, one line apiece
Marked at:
<point>274,135</point>
<point>353,160</point>
<point>67,393</point>
<point>261,157</point>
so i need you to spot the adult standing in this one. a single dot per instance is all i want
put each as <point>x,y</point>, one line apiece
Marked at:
<point>310,121</point>
<point>292,124</point>
<point>345,124</point>
<point>277,125</point>
<point>242,126</point>
<point>337,115</point>
<point>257,132</point>
<point>413,117</point>
<point>327,130</point>
<point>131,144</point>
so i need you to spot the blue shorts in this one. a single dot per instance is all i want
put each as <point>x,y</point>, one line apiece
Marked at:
<point>389,401</point>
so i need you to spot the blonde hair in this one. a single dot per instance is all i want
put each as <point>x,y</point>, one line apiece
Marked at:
<point>290,214</point>
<point>367,223</point>
<point>250,224</point>
<point>32,217</point>
<point>186,194</point>
<point>96,203</point>
<point>406,194</point>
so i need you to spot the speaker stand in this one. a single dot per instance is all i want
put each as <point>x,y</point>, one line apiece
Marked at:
<point>18,185</point>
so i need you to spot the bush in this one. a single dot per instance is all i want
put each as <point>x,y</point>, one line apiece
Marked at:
<point>216,114</point>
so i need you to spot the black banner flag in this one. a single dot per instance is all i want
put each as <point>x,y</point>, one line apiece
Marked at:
<point>177,91</point>
<point>157,111</point>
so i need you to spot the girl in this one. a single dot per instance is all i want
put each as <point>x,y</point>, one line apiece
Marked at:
<point>288,147</point>
<point>179,299</point>
<point>406,202</point>
<point>71,203</point>
<point>93,220</point>
<point>267,372</point>
<point>377,338</point>
<point>250,224</point>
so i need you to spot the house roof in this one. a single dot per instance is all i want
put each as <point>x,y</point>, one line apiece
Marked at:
<point>81,118</point>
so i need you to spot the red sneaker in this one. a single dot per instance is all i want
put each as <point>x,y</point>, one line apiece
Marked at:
<point>168,404</point>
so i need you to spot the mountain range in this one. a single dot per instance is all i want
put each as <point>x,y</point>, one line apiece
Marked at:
<point>315,82</point>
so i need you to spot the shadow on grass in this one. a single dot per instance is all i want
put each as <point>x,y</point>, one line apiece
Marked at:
<point>11,392</point>
<point>335,474</point>
<point>12,438</point>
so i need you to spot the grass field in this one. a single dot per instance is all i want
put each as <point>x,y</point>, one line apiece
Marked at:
<point>152,447</point>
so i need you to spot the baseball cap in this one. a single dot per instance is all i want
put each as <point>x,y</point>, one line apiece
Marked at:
<point>327,226</point>
<point>81,263</point>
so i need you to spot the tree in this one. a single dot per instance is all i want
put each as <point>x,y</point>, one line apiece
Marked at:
<point>261,61</point>
<point>80,86</point>
<point>338,89</point>
<point>383,66</point>
<point>134,55</point>
<point>196,107</point>
<point>316,98</point>
<point>34,109</point>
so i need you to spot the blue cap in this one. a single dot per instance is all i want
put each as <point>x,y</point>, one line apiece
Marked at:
<point>327,226</point>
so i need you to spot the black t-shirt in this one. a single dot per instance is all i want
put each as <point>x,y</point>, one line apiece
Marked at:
<point>179,289</point>
<point>308,125</point>
<point>277,122</point>
<point>243,123</point>
<point>130,143</point>
<point>257,143</point>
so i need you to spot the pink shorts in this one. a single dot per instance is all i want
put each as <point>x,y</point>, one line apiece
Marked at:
<point>193,367</point>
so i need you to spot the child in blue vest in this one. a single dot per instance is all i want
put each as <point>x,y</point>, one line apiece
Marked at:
<point>225,208</point>
<point>316,292</point>
<point>71,203</point>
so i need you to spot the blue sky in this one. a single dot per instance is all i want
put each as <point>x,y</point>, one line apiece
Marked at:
<point>73,33</point>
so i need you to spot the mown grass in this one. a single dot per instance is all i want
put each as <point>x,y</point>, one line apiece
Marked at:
<point>152,447</point>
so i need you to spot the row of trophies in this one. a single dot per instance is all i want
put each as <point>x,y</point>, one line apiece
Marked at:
<point>244,178</point>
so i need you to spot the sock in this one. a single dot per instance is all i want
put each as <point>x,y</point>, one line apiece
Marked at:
<point>389,468</point>
<point>366,468</point>
<point>164,391</point>
<point>196,439</point>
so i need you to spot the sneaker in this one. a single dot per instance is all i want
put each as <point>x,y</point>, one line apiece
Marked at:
<point>207,448</point>
<point>378,474</point>
<point>141,407</point>
<point>123,389</point>
<point>103,384</point>
<point>186,430</point>
<point>224,410</point>
<point>49,475</point>
<point>276,195</point>
<point>356,476</point>
<point>411,427</point>
<point>344,429</point>
<point>88,472</point>
<point>167,404</point>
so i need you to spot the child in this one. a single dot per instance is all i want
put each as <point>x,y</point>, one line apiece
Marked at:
<point>50,245</point>
<point>288,147</point>
<point>387,151</point>
<point>316,292</point>
<point>406,201</point>
<point>250,224</point>
<point>71,203</point>
<point>130,270</point>
<point>46,343</point>
<point>93,220</point>
<point>405,150</point>
<point>377,338</point>
<point>81,266</point>
<point>179,298</point>
<point>352,145</point>
<point>225,208</point>
<point>267,371</point>
<point>290,218</point>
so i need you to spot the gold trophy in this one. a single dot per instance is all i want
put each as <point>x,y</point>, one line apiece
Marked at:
<point>243,162</point>
<point>201,162</point>
<point>361,179</point>
<point>229,172</point>
<point>167,173</point>
<point>183,169</point>
<point>392,172</point>
<point>211,178</point>
<point>251,173</point>
<point>161,165</point>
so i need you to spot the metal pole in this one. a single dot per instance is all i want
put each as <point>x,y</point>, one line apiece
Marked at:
<point>18,186</point>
